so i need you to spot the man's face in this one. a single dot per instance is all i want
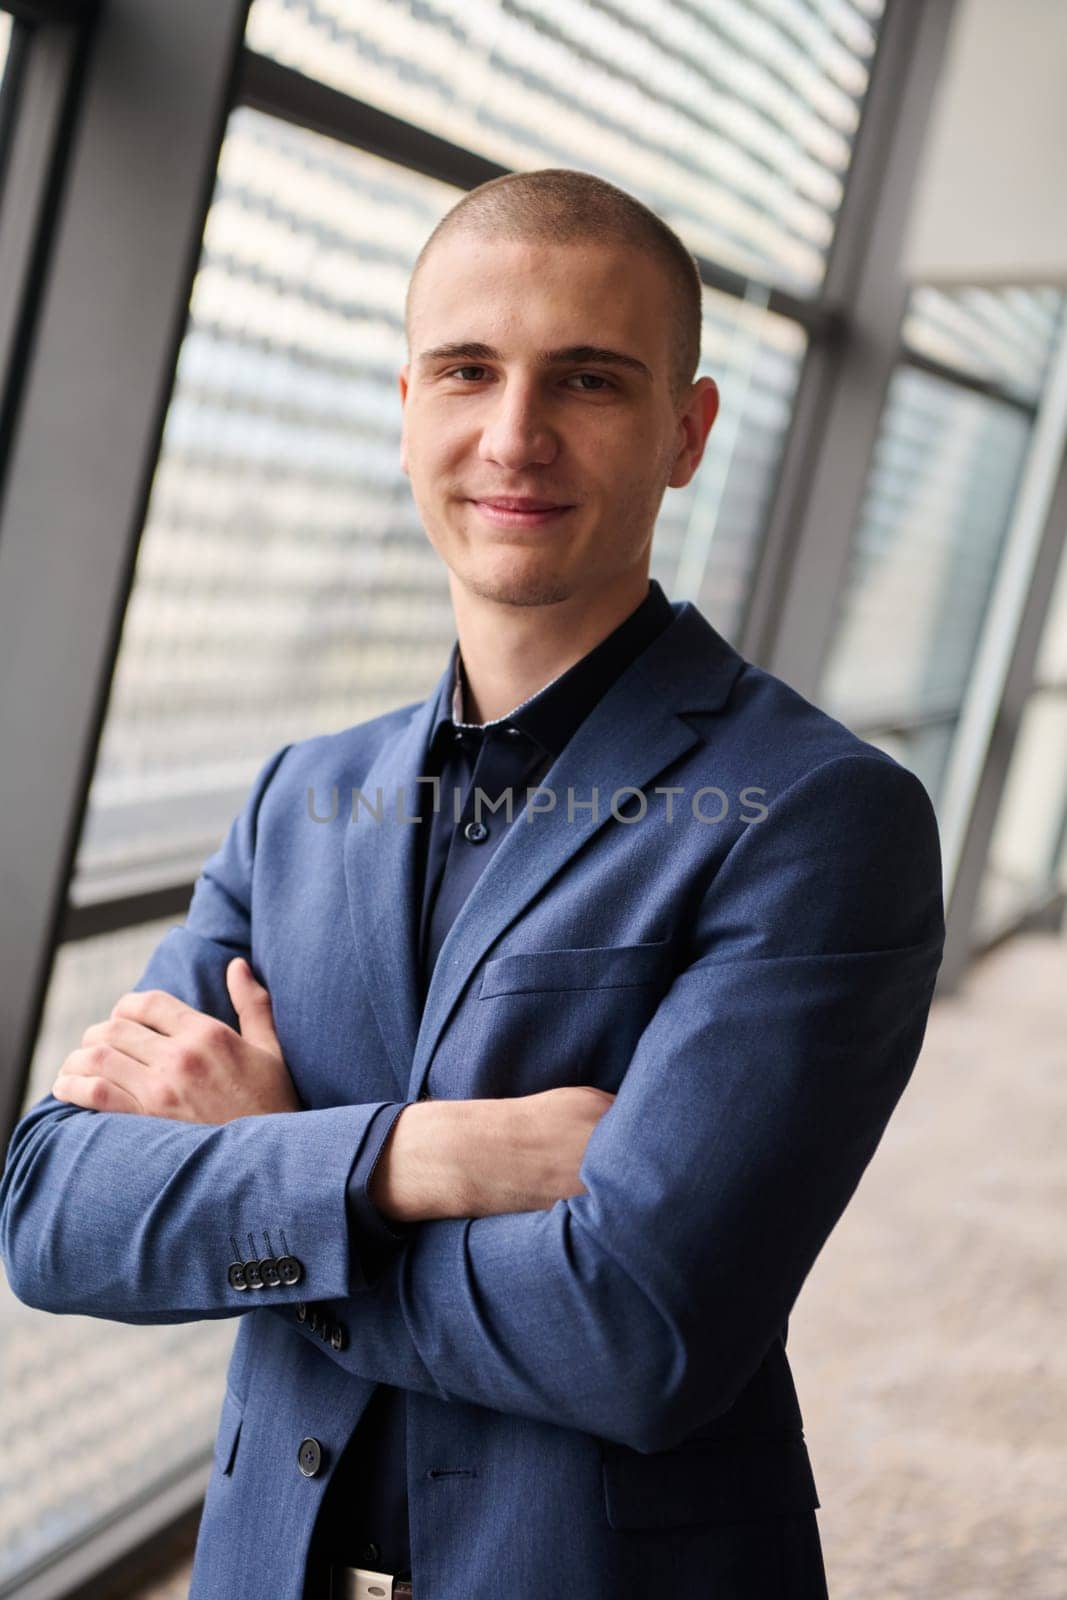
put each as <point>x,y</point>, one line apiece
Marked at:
<point>511,393</point>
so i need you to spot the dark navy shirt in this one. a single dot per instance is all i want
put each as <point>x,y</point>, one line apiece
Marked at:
<point>363,1520</point>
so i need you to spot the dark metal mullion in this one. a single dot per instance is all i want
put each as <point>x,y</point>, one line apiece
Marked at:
<point>48,11</point>
<point>41,99</point>
<point>281,92</point>
<point>988,388</point>
<point>803,556</point>
<point>91,918</point>
<point>822,321</point>
<point>145,142</point>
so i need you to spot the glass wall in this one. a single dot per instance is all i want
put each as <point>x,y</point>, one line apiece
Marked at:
<point>283,585</point>
<point>104,1410</point>
<point>1027,862</point>
<point>936,510</point>
<point>734,120</point>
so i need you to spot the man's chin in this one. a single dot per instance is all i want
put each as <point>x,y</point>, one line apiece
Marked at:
<point>515,587</point>
<point>533,591</point>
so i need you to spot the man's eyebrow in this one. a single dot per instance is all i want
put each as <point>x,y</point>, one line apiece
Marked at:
<point>566,355</point>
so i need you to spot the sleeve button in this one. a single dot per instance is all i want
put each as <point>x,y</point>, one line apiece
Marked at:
<point>290,1270</point>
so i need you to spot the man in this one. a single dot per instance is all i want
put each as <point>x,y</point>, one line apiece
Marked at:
<point>582,1088</point>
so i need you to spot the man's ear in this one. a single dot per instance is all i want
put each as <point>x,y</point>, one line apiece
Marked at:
<point>402,380</point>
<point>695,421</point>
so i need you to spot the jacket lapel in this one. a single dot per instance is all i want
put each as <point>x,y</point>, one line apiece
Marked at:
<point>635,731</point>
<point>379,861</point>
<point>630,737</point>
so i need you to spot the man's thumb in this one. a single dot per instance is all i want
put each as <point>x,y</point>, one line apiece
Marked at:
<point>252,1005</point>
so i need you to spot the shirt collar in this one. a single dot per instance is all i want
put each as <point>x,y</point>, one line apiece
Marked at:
<point>552,715</point>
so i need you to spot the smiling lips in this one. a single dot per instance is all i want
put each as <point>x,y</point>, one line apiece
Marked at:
<point>509,511</point>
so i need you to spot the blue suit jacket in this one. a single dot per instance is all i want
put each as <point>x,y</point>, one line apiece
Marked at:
<point>599,1392</point>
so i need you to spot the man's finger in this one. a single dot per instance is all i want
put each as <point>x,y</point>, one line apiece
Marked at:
<point>155,1009</point>
<point>251,1001</point>
<point>103,1061</point>
<point>94,1092</point>
<point>132,1038</point>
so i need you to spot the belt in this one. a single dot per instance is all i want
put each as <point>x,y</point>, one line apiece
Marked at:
<point>360,1583</point>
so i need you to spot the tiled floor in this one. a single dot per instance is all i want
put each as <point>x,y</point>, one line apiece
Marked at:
<point>928,1343</point>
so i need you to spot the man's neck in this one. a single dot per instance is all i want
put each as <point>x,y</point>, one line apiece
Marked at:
<point>511,652</point>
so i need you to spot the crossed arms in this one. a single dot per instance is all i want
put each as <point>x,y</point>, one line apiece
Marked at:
<point>634,1309</point>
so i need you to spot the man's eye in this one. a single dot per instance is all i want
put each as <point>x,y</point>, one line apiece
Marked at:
<point>457,370</point>
<point>597,379</point>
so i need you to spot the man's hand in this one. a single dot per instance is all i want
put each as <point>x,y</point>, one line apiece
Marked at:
<point>158,1056</point>
<point>477,1158</point>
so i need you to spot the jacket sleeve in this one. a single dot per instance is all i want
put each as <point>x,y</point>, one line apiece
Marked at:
<point>375,1237</point>
<point>139,1218</point>
<point>752,1104</point>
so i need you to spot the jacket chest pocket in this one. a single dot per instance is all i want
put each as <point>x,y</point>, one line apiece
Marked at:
<point>605,966</point>
<point>569,1016</point>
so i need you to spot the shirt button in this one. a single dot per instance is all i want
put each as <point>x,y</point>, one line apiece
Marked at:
<point>309,1457</point>
<point>424,1094</point>
<point>476,832</point>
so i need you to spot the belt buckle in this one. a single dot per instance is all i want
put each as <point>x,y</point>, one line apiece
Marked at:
<point>361,1583</point>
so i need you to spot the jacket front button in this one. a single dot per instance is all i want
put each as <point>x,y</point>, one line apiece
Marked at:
<point>309,1457</point>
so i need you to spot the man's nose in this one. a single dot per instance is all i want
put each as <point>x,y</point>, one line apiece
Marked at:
<point>519,430</point>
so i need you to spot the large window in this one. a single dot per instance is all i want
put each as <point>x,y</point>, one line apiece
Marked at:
<point>734,120</point>
<point>108,1411</point>
<point>937,508</point>
<point>1027,863</point>
<point>283,586</point>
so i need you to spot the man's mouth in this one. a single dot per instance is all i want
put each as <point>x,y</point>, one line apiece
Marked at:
<point>510,511</point>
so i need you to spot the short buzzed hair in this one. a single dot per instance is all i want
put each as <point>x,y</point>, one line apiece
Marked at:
<point>563,206</point>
